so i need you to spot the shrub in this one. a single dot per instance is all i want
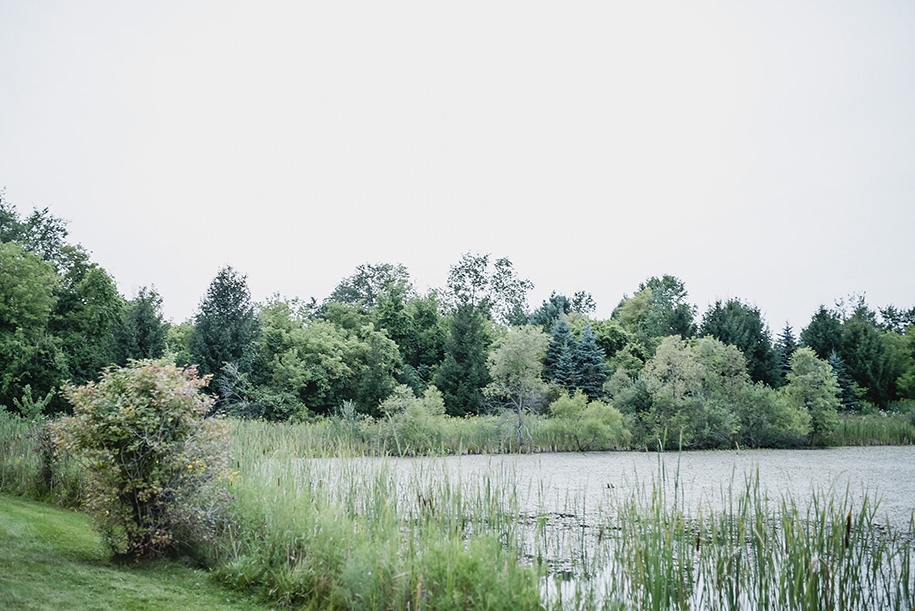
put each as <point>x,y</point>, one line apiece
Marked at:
<point>155,463</point>
<point>584,425</point>
<point>413,424</point>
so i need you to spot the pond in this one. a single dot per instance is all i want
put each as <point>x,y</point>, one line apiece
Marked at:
<point>884,473</point>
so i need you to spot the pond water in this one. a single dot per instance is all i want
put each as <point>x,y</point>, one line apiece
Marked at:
<point>558,480</point>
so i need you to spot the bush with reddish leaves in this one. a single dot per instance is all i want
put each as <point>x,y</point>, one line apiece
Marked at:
<point>157,466</point>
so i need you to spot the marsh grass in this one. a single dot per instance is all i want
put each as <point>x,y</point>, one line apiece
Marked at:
<point>368,531</point>
<point>385,533</point>
<point>30,466</point>
<point>881,428</point>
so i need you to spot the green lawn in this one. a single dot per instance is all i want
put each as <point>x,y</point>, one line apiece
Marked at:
<point>51,558</point>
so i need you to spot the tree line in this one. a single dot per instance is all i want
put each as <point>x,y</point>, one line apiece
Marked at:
<point>713,379</point>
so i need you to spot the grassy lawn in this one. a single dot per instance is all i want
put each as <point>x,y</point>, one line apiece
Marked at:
<point>51,558</point>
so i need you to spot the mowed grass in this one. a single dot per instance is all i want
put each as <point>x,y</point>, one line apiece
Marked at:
<point>51,558</point>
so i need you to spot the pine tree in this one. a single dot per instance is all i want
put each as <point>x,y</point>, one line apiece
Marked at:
<point>225,327</point>
<point>785,347</point>
<point>564,372</point>
<point>588,359</point>
<point>561,340</point>
<point>464,372</point>
<point>849,391</point>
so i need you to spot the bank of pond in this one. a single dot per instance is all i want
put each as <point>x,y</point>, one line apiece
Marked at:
<point>327,516</point>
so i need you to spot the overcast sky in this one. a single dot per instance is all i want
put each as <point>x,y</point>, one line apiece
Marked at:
<point>761,150</point>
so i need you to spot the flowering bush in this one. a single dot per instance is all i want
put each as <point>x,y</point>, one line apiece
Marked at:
<point>157,468</point>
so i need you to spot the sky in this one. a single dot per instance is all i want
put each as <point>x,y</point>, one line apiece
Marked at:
<point>756,150</point>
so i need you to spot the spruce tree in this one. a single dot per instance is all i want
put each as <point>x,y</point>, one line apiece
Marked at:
<point>225,327</point>
<point>849,391</point>
<point>742,325</point>
<point>785,347</point>
<point>588,359</point>
<point>464,372</point>
<point>561,339</point>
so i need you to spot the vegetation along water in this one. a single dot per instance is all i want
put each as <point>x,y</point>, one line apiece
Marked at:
<point>385,448</point>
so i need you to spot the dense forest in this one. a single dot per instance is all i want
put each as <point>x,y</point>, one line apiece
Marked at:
<point>710,381</point>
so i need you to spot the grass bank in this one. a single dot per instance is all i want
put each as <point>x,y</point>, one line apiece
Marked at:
<point>50,558</point>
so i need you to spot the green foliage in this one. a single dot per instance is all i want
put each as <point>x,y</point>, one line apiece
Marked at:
<point>141,331</point>
<point>585,426</point>
<point>371,284</point>
<point>557,306</point>
<point>413,425</point>
<point>785,345</point>
<point>824,333</point>
<point>464,373</point>
<point>318,365</point>
<point>741,325</point>
<point>812,385</point>
<point>29,355</point>
<point>588,363</point>
<point>866,356</point>
<point>177,339</point>
<point>225,327</point>
<point>495,289</point>
<point>515,364</point>
<point>154,460</point>
<point>658,309</point>
<point>768,419</point>
<point>906,380</point>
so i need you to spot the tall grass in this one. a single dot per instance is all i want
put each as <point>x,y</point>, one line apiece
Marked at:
<point>30,466</point>
<point>381,533</point>
<point>367,531</point>
<point>881,428</point>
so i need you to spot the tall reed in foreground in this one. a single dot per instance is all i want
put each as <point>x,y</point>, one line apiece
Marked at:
<point>376,533</point>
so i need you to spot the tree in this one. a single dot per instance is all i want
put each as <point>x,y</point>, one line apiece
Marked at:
<point>824,333</point>
<point>785,346</point>
<point>87,310</point>
<point>370,282</point>
<point>558,305</point>
<point>906,380</point>
<point>813,386</point>
<point>658,309</point>
<point>741,325</point>
<point>154,460</point>
<point>515,364</point>
<point>867,358</point>
<point>589,425</point>
<point>560,346</point>
<point>497,289</point>
<point>588,359</point>
<point>849,391</point>
<point>29,355</point>
<point>225,326</point>
<point>464,372</point>
<point>141,331</point>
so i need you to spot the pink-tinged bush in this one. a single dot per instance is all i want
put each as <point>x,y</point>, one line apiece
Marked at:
<point>157,466</point>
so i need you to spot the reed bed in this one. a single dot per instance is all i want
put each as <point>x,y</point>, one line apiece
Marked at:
<point>881,428</point>
<point>386,533</point>
<point>370,531</point>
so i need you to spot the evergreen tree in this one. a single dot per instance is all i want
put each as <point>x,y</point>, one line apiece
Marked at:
<point>588,359</point>
<point>824,333</point>
<point>867,358</point>
<point>565,372</point>
<point>741,325</point>
<point>464,373</point>
<point>785,347</point>
<point>849,391</point>
<point>225,326</point>
<point>561,342</point>
<point>140,332</point>
<point>558,305</point>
